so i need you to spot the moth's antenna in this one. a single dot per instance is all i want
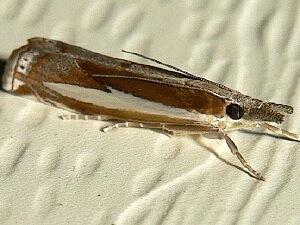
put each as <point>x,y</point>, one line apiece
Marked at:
<point>161,63</point>
<point>177,69</point>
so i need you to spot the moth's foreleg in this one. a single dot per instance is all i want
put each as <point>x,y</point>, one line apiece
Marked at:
<point>233,148</point>
<point>281,132</point>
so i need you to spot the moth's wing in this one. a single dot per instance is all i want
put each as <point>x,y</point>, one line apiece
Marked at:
<point>71,77</point>
<point>154,87</point>
<point>107,61</point>
<point>94,63</point>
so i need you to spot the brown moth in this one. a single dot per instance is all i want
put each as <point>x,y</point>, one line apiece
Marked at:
<point>130,94</point>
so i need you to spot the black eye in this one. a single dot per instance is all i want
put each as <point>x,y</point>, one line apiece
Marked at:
<point>235,111</point>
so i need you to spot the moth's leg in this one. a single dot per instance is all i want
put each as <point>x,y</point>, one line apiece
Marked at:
<point>190,129</point>
<point>174,129</point>
<point>159,126</point>
<point>233,148</point>
<point>85,117</point>
<point>281,132</point>
<point>212,132</point>
<point>167,129</point>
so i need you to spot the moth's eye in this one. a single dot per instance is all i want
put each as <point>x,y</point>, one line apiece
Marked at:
<point>235,111</point>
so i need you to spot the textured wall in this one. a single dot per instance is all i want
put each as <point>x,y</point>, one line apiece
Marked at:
<point>68,172</point>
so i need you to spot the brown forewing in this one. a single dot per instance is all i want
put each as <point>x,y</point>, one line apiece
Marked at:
<point>70,65</point>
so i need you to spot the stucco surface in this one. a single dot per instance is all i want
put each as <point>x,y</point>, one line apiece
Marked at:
<point>69,172</point>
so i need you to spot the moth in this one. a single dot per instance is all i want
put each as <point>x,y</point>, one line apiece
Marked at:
<point>129,94</point>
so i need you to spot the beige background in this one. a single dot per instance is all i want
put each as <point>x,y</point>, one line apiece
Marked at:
<point>68,172</point>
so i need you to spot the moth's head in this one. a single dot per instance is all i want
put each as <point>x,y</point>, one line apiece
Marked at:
<point>254,110</point>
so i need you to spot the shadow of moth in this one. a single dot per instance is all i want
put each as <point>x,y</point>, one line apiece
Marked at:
<point>99,87</point>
